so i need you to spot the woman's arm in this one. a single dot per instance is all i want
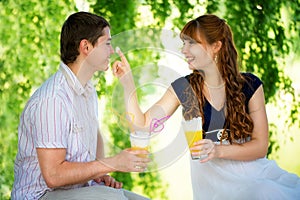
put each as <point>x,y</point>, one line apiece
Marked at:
<point>165,107</point>
<point>258,146</point>
<point>254,149</point>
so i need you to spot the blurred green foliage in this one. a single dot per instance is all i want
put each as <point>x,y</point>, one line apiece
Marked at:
<point>265,32</point>
<point>29,53</point>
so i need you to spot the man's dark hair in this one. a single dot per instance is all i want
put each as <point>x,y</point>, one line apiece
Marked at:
<point>79,26</point>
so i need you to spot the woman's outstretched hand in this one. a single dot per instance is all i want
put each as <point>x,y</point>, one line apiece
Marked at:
<point>120,67</point>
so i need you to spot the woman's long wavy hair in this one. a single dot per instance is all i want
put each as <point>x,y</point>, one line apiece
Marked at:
<point>214,29</point>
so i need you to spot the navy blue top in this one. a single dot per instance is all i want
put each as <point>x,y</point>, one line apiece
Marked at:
<point>215,119</point>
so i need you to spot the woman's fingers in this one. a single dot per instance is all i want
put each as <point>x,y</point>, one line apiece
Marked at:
<point>116,67</point>
<point>203,147</point>
<point>123,58</point>
<point>120,67</point>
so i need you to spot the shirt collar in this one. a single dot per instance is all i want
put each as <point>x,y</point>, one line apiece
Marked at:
<point>74,83</point>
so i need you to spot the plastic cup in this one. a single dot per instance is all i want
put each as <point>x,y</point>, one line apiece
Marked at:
<point>140,141</point>
<point>193,133</point>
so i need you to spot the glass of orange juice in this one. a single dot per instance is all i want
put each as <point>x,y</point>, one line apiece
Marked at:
<point>193,133</point>
<point>140,141</point>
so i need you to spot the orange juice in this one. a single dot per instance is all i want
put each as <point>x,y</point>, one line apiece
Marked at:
<point>192,137</point>
<point>140,148</point>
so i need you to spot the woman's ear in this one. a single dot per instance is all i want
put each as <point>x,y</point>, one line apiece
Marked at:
<point>217,46</point>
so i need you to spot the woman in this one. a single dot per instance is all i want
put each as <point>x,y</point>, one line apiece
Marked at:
<point>233,112</point>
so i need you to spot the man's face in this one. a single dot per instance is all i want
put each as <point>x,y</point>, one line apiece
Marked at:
<point>98,58</point>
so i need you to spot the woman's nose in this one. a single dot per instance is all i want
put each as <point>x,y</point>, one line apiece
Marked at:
<point>184,49</point>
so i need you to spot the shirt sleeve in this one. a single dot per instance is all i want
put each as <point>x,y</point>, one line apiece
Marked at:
<point>180,85</point>
<point>50,124</point>
<point>251,85</point>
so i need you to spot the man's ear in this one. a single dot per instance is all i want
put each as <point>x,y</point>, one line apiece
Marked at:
<point>85,47</point>
<point>217,46</point>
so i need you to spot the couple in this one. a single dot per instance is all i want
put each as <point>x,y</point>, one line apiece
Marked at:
<point>60,152</point>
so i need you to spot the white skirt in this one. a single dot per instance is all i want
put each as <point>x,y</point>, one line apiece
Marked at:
<point>261,179</point>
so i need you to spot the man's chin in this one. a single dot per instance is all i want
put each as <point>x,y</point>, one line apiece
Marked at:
<point>103,68</point>
<point>106,68</point>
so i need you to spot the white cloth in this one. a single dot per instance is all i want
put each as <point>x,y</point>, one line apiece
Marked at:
<point>260,179</point>
<point>60,114</point>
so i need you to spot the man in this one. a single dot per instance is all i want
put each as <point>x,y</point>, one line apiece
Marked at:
<point>60,149</point>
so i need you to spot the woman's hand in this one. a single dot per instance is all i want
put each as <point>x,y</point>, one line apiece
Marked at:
<point>204,147</point>
<point>109,181</point>
<point>120,67</point>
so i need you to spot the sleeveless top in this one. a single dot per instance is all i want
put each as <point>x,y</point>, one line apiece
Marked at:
<point>259,179</point>
<point>214,120</point>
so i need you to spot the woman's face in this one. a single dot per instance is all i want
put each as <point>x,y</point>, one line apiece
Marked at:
<point>198,54</point>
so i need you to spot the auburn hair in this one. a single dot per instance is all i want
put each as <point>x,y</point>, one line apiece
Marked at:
<point>212,29</point>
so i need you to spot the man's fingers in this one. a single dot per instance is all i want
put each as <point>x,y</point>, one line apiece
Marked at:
<point>98,180</point>
<point>119,185</point>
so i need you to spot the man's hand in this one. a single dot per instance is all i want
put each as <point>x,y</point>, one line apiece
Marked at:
<point>109,181</point>
<point>127,161</point>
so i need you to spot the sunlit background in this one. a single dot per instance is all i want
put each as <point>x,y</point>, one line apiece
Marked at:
<point>177,174</point>
<point>26,50</point>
